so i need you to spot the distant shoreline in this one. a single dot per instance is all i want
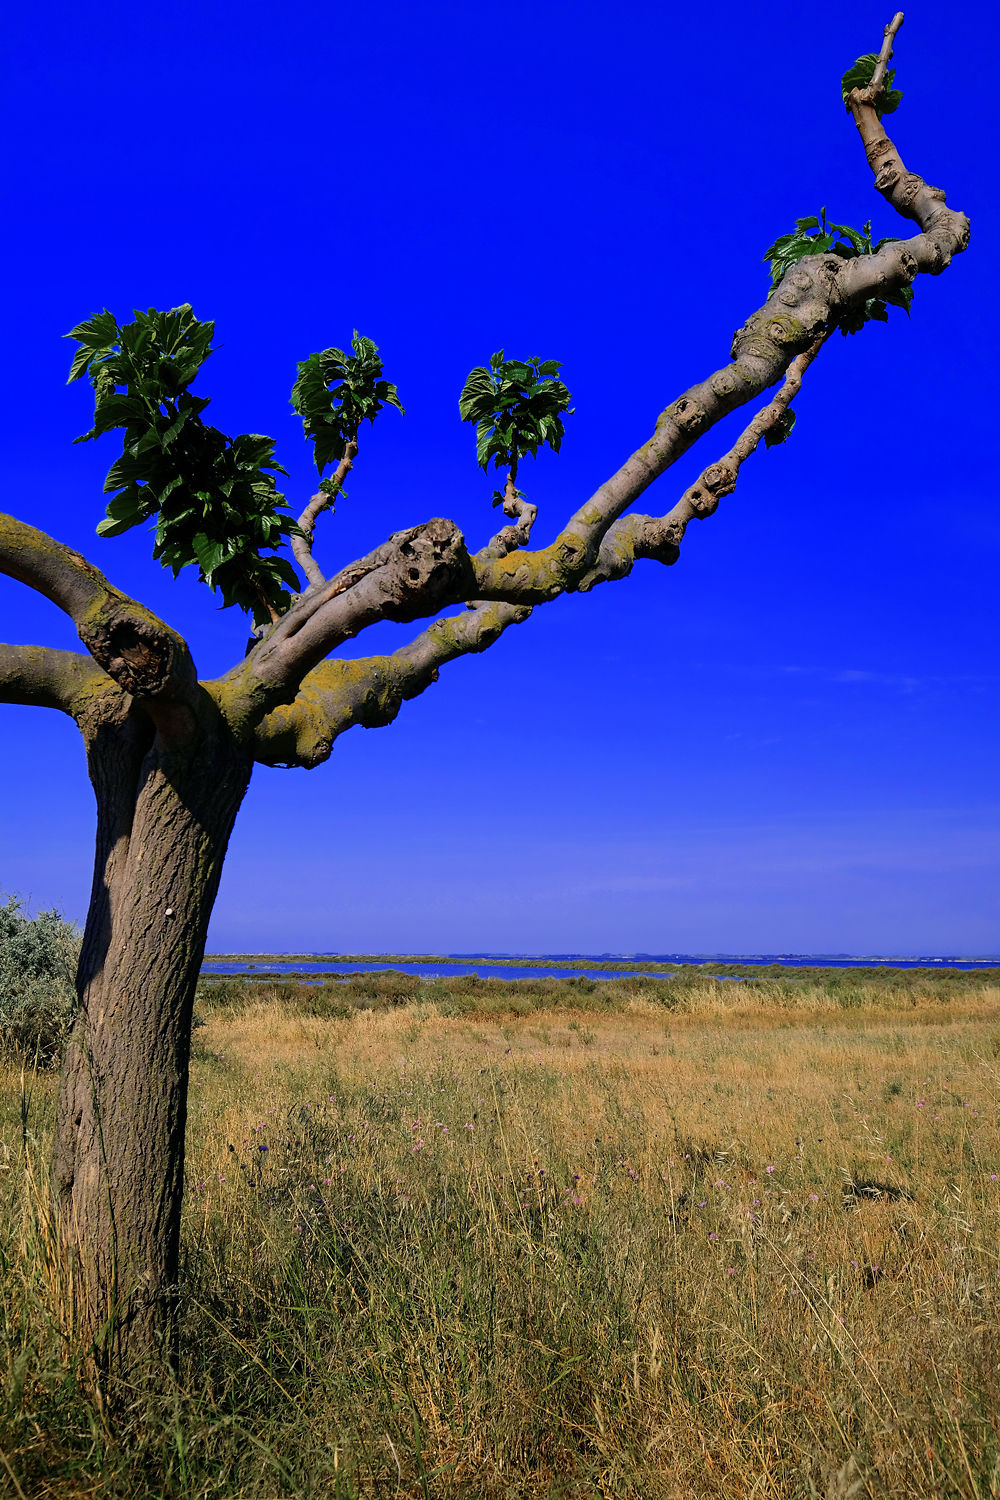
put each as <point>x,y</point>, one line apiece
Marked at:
<point>620,965</point>
<point>435,958</point>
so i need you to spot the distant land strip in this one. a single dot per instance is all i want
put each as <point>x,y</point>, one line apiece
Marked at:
<point>620,966</point>
<point>436,958</point>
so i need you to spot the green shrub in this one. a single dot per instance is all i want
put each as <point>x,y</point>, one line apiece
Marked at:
<point>37,966</point>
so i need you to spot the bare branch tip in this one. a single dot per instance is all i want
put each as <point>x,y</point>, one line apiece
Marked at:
<point>885,54</point>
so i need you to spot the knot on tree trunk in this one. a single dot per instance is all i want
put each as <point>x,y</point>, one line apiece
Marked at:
<point>688,415</point>
<point>809,288</point>
<point>717,481</point>
<point>141,654</point>
<point>430,563</point>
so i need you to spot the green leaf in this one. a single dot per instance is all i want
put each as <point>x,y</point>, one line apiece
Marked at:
<point>335,392</point>
<point>167,490</point>
<point>859,75</point>
<point>814,236</point>
<point>903,298</point>
<point>124,471</point>
<point>208,552</point>
<point>132,505</point>
<point>113,528</point>
<point>780,431</point>
<point>98,332</point>
<point>517,406</point>
<point>477,395</point>
<point>96,336</point>
<point>214,497</point>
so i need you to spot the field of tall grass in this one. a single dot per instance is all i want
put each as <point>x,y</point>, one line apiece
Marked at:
<point>473,1238</point>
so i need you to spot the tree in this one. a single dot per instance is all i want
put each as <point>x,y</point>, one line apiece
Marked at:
<point>170,757</point>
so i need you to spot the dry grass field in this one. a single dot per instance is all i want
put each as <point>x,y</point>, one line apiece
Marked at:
<point>481,1239</point>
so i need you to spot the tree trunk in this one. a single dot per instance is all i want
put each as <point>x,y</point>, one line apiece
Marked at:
<point>164,820</point>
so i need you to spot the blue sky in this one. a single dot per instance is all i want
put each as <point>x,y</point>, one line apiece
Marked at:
<point>785,742</point>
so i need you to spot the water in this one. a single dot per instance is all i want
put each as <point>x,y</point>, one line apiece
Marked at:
<point>425,971</point>
<point>487,970</point>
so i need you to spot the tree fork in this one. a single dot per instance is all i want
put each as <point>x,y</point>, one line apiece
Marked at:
<point>170,757</point>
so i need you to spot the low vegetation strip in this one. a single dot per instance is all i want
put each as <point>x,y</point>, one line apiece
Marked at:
<point>637,966</point>
<point>259,959</point>
<point>472,1239</point>
<point>683,991</point>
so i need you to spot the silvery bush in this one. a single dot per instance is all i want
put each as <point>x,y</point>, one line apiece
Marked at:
<point>37,966</point>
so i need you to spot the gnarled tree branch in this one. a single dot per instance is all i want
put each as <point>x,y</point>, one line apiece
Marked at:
<point>370,691</point>
<point>812,298</point>
<point>427,568</point>
<point>139,652</point>
<point>522,513</point>
<point>658,538</point>
<point>46,678</point>
<point>400,581</point>
<point>816,294</point>
<point>945,232</point>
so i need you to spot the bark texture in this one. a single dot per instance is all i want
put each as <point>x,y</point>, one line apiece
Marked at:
<point>164,819</point>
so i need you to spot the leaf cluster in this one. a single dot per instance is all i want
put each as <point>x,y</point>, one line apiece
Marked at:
<point>859,75</point>
<point>518,406</point>
<point>214,497</point>
<point>817,236</point>
<point>335,392</point>
<point>781,429</point>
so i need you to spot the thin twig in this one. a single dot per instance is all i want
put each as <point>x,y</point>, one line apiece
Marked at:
<point>302,545</point>
<point>877,83</point>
